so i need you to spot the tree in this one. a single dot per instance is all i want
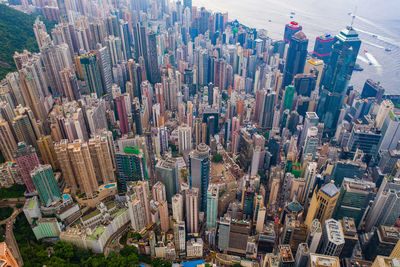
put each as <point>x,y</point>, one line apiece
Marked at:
<point>217,157</point>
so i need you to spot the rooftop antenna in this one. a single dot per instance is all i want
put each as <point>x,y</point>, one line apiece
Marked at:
<point>353,16</point>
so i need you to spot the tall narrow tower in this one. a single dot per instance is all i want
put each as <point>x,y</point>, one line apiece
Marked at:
<point>337,77</point>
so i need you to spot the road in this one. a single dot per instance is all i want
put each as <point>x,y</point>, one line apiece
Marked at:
<point>10,238</point>
<point>115,237</point>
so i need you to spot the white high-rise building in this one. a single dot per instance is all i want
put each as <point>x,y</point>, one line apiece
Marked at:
<point>309,177</point>
<point>136,212</point>
<point>314,236</point>
<point>261,219</point>
<point>180,235</point>
<point>158,191</point>
<point>332,238</point>
<point>177,207</point>
<point>184,138</point>
<point>383,111</point>
<point>255,160</point>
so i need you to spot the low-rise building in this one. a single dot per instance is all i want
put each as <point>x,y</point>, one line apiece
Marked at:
<point>194,248</point>
<point>323,260</point>
<point>96,237</point>
<point>46,228</point>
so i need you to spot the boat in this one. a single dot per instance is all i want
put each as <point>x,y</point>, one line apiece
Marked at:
<point>291,17</point>
<point>292,13</point>
<point>269,20</point>
<point>387,49</point>
<point>357,67</point>
<point>374,36</point>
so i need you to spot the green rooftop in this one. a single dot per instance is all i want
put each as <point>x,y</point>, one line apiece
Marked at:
<point>91,215</point>
<point>31,204</point>
<point>119,212</point>
<point>98,232</point>
<point>132,150</point>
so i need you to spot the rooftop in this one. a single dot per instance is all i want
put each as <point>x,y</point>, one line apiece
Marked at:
<point>330,189</point>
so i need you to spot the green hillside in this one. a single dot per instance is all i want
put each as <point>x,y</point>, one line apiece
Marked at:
<point>16,35</point>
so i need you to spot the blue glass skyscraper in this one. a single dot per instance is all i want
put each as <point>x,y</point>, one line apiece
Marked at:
<point>199,172</point>
<point>337,77</point>
<point>296,57</point>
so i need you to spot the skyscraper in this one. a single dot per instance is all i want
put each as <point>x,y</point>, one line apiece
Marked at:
<point>101,158</point>
<point>337,77</point>
<point>212,206</point>
<point>143,193</point>
<point>332,241</point>
<point>26,158</point>
<point>77,166</point>
<point>385,209</point>
<point>177,207</point>
<point>290,29</point>
<point>167,173</point>
<point>7,141</point>
<point>135,210</point>
<point>122,114</point>
<point>267,109</point>
<point>130,165</point>
<point>105,67</point>
<point>354,198</point>
<point>180,235</point>
<point>322,204</point>
<point>154,71</point>
<point>47,152</point>
<point>309,178</point>
<point>164,218</point>
<point>323,47</point>
<point>184,138</point>
<point>199,172</point>
<point>25,126</point>
<point>46,184</point>
<point>192,210</point>
<point>296,57</point>
<point>114,49</point>
<point>92,74</point>
<point>311,143</point>
<point>158,192</point>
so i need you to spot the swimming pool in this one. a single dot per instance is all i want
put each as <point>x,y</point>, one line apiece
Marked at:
<point>109,186</point>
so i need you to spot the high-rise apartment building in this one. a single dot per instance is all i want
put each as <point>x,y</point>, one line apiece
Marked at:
<point>212,206</point>
<point>131,165</point>
<point>158,192</point>
<point>7,141</point>
<point>101,157</point>
<point>184,138</point>
<point>192,210</point>
<point>25,126</point>
<point>177,207</point>
<point>77,166</point>
<point>47,152</point>
<point>26,158</point>
<point>199,172</point>
<point>46,184</point>
<point>92,74</point>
